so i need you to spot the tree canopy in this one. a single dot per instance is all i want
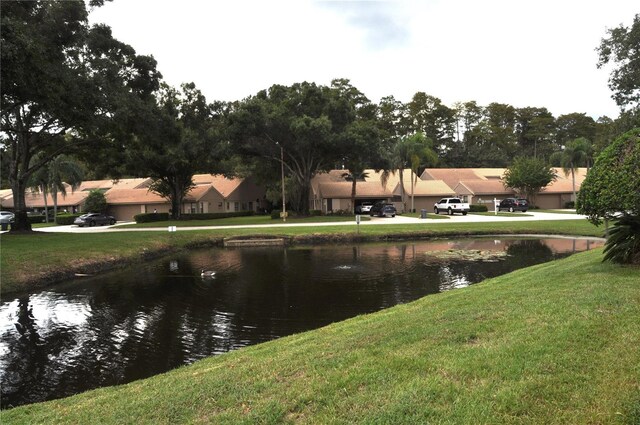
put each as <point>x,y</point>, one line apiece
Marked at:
<point>613,183</point>
<point>310,123</point>
<point>528,176</point>
<point>65,86</point>
<point>620,47</point>
<point>182,138</point>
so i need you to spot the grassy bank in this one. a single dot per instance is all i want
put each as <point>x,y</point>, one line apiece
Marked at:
<point>37,259</point>
<point>556,343</point>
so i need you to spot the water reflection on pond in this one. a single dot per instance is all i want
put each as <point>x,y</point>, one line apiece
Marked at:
<point>142,321</point>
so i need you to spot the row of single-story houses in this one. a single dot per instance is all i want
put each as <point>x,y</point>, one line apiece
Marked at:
<point>330,192</point>
<point>127,198</point>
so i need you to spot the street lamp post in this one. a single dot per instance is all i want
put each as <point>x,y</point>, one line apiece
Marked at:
<point>284,208</point>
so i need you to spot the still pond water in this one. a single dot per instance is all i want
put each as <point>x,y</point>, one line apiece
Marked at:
<point>145,320</point>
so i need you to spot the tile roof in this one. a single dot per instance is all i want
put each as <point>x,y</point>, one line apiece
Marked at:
<point>393,178</point>
<point>36,199</point>
<point>226,186</point>
<point>133,196</point>
<point>451,176</point>
<point>427,188</point>
<point>343,190</point>
<point>482,187</point>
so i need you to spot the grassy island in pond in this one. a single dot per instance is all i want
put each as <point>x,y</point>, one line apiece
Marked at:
<point>556,343</point>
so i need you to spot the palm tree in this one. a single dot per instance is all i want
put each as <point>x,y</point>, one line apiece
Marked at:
<point>421,155</point>
<point>52,178</point>
<point>574,154</point>
<point>413,152</point>
<point>354,175</point>
<point>63,169</point>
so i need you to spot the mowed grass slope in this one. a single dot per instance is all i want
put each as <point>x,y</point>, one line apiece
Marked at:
<point>556,343</point>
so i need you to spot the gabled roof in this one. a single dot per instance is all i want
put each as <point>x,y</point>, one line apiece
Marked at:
<point>134,183</point>
<point>489,173</point>
<point>580,174</point>
<point>36,199</point>
<point>393,178</point>
<point>195,194</point>
<point>451,176</point>
<point>426,188</point>
<point>144,196</point>
<point>343,190</point>
<point>561,186</point>
<point>481,187</point>
<point>133,196</point>
<point>224,185</point>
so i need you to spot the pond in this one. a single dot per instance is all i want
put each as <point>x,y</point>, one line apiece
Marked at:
<point>135,323</point>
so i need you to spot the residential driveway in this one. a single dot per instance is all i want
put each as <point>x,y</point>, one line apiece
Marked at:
<point>469,218</point>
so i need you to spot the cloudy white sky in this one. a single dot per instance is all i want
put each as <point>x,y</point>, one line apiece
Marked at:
<point>524,53</point>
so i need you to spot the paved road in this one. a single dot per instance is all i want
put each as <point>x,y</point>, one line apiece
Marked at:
<point>470,218</point>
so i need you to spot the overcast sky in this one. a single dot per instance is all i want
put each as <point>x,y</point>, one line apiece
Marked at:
<point>525,53</point>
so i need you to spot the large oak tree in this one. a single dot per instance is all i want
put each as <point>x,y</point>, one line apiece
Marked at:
<point>66,87</point>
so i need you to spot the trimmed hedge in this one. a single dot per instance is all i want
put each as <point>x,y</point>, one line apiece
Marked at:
<point>215,216</point>
<point>150,217</point>
<point>478,208</point>
<point>66,219</point>
<point>275,214</point>
<point>36,218</point>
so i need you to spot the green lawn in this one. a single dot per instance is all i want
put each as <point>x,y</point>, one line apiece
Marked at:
<point>556,343</point>
<point>243,221</point>
<point>28,258</point>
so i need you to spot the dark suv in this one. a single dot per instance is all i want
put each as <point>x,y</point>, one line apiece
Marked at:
<point>513,204</point>
<point>382,209</point>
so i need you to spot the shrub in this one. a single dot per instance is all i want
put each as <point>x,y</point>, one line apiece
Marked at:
<point>214,216</point>
<point>570,205</point>
<point>36,218</point>
<point>478,208</point>
<point>66,219</point>
<point>151,217</point>
<point>623,244</point>
<point>315,212</point>
<point>342,213</point>
<point>275,214</point>
<point>96,202</point>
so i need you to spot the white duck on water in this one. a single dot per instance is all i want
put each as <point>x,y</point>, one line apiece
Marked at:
<point>207,273</point>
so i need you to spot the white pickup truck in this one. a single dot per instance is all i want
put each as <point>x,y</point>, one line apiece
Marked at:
<point>451,205</point>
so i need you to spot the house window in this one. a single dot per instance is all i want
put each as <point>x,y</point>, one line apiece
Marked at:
<point>228,206</point>
<point>236,206</point>
<point>250,206</point>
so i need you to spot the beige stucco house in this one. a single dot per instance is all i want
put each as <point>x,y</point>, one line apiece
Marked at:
<point>128,197</point>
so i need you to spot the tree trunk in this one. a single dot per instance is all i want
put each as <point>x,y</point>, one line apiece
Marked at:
<point>402,191</point>
<point>54,195</point>
<point>43,189</point>
<point>353,194</point>
<point>21,221</point>
<point>573,182</point>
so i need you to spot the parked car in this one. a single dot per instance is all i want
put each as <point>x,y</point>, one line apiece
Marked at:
<point>364,208</point>
<point>389,211</point>
<point>383,209</point>
<point>6,217</point>
<point>92,219</point>
<point>451,206</point>
<point>513,204</point>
